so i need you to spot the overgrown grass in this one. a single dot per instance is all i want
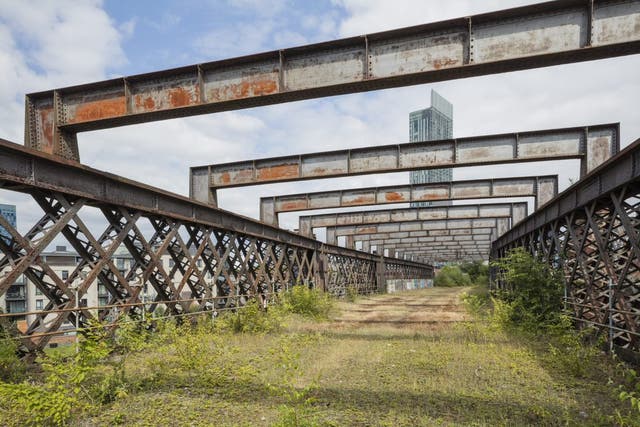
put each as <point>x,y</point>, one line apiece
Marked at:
<point>321,373</point>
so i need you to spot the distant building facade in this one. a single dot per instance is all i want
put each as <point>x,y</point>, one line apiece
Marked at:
<point>430,124</point>
<point>9,213</point>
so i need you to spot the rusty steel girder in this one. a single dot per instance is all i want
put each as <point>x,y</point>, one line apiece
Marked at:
<point>592,232</point>
<point>591,144</point>
<point>541,188</point>
<point>538,35</point>
<point>432,217</point>
<point>419,229</point>
<point>216,255</point>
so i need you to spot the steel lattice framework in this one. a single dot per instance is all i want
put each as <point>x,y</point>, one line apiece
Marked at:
<point>592,232</point>
<point>217,256</point>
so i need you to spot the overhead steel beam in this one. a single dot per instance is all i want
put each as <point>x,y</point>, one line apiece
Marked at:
<point>438,214</point>
<point>427,227</point>
<point>334,232</point>
<point>538,35</point>
<point>542,188</point>
<point>438,240</point>
<point>591,144</point>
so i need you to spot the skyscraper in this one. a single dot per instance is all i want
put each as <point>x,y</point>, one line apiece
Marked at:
<point>9,213</point>
<point>430,124</point>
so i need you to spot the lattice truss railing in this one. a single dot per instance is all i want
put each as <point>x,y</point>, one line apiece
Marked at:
<point>209,265</point>
<point>598,249</point>
<point>400,271</point>
<point>342,272</point>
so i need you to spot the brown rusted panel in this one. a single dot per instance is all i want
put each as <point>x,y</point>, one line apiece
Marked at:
<point>232,176</point>
<point>165,94</point>
<point>241,82</point>
<point>96,110</point>
<point>278,172</point>
<point>394,196</point>
<point>43,115</point>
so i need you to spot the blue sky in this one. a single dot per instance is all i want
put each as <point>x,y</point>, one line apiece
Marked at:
<point>52,43</point>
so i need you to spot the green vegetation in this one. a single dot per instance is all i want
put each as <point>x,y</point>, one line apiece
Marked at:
<point>465,274</point>
<point>392,371</point>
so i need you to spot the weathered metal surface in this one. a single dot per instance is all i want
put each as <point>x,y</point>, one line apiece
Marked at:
<point>217,256</point>
<point>533,36</point>
<point>591,144</point>
<point>408,230</point>
<point>592,232</point>
<point>542,188</point>
<point>435,216</point>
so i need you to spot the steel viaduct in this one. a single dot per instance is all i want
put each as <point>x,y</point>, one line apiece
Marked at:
<point>219,259</point>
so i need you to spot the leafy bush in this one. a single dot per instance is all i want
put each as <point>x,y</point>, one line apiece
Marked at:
<point>535,290</point>
<point>251,318</point>
<point>452,275</point>
<point>311,303</point>
<point>478,272</point>
<point>12,369</point>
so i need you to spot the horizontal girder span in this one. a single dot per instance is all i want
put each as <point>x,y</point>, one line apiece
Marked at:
<point>538,35</point>
<point>542,188</point>
<point>439,216</point>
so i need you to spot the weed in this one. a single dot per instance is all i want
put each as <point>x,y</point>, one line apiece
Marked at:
<point>311,303</point>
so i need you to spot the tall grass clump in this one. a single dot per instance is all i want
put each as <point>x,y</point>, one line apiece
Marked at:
<point>311,303</point>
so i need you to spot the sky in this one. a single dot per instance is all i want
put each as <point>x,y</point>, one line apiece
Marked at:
<point>46,44</point>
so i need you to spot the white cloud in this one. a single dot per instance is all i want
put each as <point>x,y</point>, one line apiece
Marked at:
<point>51,44</point>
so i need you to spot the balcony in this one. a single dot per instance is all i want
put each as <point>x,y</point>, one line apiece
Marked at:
<point>16,293</point>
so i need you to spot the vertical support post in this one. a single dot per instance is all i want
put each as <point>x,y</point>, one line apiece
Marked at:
<point>380,275</point>
<point>350,242</point>
<point>610,315</point>
<point>76,289</point>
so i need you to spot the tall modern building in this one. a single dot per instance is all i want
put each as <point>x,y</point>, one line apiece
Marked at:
<point>430,124</point>
<point>9,213</point>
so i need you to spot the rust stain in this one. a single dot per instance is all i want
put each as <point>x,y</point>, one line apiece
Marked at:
<point>96,110</point>
<point>144,103</point>
<point>181,97</point>
<point>361,200</point>
<point>244,89</point>
<point>444,62</point>
<point>430,196</point>
<point>293,206</point>
<point>278,172</point>
<point>46,118</point>
<point>393,197</point>
<point>225,178</point>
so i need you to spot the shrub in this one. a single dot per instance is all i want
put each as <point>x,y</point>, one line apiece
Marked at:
<point>311,303</point>
<point>535,290</point>
<point>12,369</point>
<point>250,318</point>
<point>452,275</point>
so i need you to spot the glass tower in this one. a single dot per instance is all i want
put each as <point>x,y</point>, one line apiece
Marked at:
<point>9,213</point>
<point>430,124</point>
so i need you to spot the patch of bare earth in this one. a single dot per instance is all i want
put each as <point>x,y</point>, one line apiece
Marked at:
<point>413,310</point>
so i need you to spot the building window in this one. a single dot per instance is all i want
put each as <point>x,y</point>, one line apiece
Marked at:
<point>102,290</point>
<point>39,304</point>
<point>120,262</point>
<point>83,302</point>
<point>38,291</point>
<point>103,301</point>
<point>199,263</point>
<point>65,274</point>
<point>171,263</point>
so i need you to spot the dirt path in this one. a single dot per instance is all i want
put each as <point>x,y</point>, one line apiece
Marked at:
<point>406,309</point>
